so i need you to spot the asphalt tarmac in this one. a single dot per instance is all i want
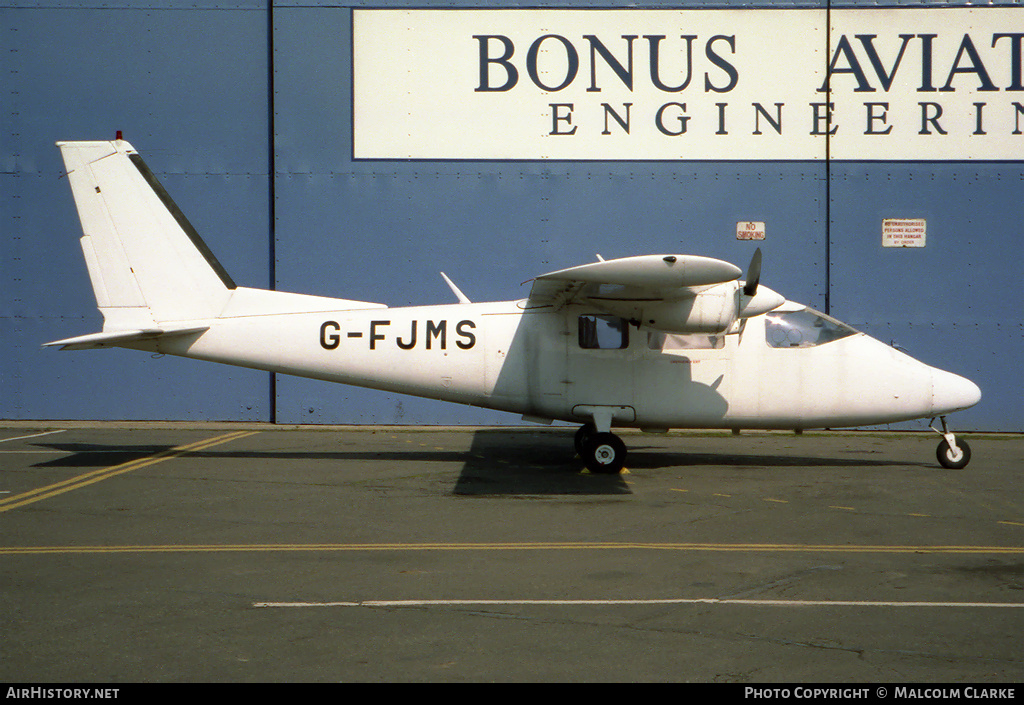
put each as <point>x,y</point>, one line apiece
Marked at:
<point>234,553</point>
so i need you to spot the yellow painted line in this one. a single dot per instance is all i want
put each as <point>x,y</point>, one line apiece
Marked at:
<point>79,481</point>
<point>1011,523</point>
<point>528,546</point>
<point>777,501</point>
<point>849,509</point>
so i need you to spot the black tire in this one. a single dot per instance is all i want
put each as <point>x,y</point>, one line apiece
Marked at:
<point>946,458</point>
<point>605,454</point>
<point>582,436</point>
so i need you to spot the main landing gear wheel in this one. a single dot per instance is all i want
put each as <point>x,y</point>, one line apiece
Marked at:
<point>954,461</point>
<point>582,436</point>
<point>604,453</point>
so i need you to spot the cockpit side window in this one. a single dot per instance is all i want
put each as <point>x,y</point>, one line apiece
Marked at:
<point>803,329</point>
<point>600,332</point>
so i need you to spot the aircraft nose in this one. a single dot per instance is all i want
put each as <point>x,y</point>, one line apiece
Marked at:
<point>952,392</point>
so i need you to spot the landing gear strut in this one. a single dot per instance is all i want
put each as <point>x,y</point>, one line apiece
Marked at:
<point>951,453</point>
<point>602,452</point>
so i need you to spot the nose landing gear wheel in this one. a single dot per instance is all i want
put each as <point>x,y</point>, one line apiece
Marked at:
<point>954,461</point>
<point>604,453</point>
<point>945,453</point>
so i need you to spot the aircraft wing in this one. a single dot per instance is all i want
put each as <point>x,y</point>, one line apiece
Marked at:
<point>647,278</point>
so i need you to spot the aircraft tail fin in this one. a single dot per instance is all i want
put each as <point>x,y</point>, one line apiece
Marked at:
<point>147,263</point>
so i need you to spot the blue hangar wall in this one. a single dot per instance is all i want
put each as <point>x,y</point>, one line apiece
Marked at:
<point>245,112</point>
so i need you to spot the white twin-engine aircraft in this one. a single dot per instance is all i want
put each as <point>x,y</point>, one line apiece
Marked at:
<point>651,342</point>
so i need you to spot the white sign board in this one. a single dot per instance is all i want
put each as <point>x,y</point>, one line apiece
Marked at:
<point>903,232</point>
<point>936,83</point>
<point>750,231</point>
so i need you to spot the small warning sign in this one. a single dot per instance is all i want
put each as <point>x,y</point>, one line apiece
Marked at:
<point>903,232</point>
<point>748,230</point>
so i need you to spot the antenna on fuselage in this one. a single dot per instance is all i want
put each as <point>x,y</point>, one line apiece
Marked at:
<point>455,290</point>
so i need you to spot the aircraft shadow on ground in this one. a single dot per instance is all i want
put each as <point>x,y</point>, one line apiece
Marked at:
<point>498,461</point>
<point>92,455</point>
<point>653,459</point>
<point>503,462</point>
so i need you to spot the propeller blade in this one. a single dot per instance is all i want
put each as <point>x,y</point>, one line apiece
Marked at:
<point>753,274</point>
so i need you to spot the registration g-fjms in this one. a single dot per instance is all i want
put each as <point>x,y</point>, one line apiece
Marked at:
<point>435,334</point>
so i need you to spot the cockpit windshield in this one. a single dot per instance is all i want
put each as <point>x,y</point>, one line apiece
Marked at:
<point>803,329</point>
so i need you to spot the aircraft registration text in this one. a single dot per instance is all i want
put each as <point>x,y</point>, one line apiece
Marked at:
<point>421,334</point>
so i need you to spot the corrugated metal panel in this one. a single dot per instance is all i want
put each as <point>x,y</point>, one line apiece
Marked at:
<point>947,303</point>
<point>188,84</point>
<point>490,225</point>
<point>82,74</point>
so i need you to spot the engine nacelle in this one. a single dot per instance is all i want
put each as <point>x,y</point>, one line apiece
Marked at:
<point>710,311</point>
<point>713,310</point>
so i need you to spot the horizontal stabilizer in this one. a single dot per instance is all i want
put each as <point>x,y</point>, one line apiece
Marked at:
<point>110,339</point>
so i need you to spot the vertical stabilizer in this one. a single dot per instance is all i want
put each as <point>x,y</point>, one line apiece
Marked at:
<point>146,262</point>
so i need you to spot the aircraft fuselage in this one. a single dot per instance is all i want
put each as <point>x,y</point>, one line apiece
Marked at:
<point>536,363</point>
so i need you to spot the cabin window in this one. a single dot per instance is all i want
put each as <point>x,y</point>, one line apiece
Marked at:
<point>667,342</point>
<point>803,329</point>
<point>599,332</point>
